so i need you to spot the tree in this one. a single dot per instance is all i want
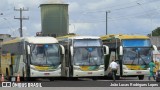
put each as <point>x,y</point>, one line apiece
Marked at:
<point>155,32</point>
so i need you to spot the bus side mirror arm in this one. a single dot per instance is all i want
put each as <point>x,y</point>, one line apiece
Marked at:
<point>63,50</point>
<point>154,47</point>
<point>28,49</point>
<point>120,50</point>
<point>71,49</point>
<point>106,50</point>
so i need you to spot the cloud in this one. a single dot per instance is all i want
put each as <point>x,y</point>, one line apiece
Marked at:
<point>3,4</point>
<point>73,6</point>
<point>85,18</point>
<point>37,27</point>
<point>84,28</point>
<point>32,30</point>
<point>80,27</point>
<point>131,26</point>
<point>53,1</point>
<point>14,32</point>
<point>98,4</point>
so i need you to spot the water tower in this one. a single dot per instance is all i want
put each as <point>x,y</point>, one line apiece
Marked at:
<point>54,19</point>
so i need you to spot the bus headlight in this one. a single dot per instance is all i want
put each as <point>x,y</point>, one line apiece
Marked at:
<point>59,67</point>
<point>125,67</point>
<point>32,67</point>
<point>101,68</point>
<point>76,68</point>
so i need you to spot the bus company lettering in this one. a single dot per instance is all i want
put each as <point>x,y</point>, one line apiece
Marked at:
<point>143,85</point>
<point>134,85</point>
<point>119,84</point>
<point>153,85</point>
<point>26,85</point>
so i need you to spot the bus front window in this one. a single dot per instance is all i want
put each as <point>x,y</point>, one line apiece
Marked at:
<point>45,54</point>
<point>88,56</point>
<point>137,56</point>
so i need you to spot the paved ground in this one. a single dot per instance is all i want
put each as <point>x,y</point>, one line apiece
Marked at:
<point>86,82</point>
<point>88,79</point>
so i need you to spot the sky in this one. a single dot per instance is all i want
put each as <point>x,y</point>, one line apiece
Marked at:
<point>86,17</point>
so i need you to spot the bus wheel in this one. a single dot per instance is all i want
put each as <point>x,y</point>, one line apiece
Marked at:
<point>94,78</point>
<point>24,78</point>
<point>141,77</point>
<point>51,79</point>
<point>7,74</point>
<point>117,77</point>
<point>30,78</point>
<point>75,78</point>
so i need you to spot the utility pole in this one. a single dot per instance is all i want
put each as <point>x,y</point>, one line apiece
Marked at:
<point>21,18</point>
<point>107,21</point>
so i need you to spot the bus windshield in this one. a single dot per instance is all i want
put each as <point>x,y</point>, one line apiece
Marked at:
<point>88,56</point>
<point>45,54</point>
<point>136,43</point>
<point>137,56</point>
<point>87,42</point>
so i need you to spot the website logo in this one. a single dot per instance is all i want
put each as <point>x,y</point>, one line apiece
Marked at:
<point>6,84</point>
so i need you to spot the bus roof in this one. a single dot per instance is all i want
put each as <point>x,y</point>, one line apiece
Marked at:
<point>85,37</point>
<point>34,40</point>
<point>66,36</point>
<point>78,37</point>
<point>124,36</point>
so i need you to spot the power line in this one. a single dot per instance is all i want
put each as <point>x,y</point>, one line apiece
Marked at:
<point>100,10</point>
<point>21,18</point>
<point>123,17</point>
<point>128,16</point>
<point>117,9</point>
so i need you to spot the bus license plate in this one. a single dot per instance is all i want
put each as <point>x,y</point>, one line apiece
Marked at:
<point>46,73</point>
<point>139,72</point>
<point>89,72</point>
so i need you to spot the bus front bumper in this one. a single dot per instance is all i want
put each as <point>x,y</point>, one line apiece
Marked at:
<point>79,73</point>
<point>135,72</point>
<point>35,73</point>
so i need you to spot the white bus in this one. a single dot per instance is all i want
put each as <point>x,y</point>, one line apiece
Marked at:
<point>84,56</point>
<point>132,52</point>
<point>32,57</point>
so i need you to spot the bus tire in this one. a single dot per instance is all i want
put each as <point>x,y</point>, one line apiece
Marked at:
<point>94,78</point>
<point>30,78</point>
<point>117,77</point>
<point>11,71</point>
<point>7,75</point>
<point>75,78</point>
<point>141,77</point>
<point>24,78</point>
<point>51,79</point>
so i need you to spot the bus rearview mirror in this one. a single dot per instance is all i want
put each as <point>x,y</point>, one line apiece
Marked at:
<point>106,50</point>
<point>62,48</point>
<point>154,47</point>
<point>71,48</point>
<point>28,49</point>
<point>120,50</point>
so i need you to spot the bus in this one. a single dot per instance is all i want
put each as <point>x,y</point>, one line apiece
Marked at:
<point>84,56</point>
<point>31,58</point>
<point>132,52</point>
<point>156,59</point>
